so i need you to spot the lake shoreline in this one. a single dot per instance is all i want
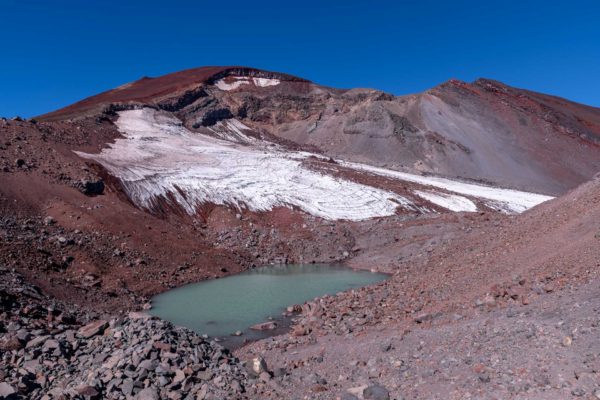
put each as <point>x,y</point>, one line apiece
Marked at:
<point>216,304</point>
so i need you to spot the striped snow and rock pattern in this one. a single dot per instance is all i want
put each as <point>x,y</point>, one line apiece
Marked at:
<point>160,160</point>
<point>501,199</point>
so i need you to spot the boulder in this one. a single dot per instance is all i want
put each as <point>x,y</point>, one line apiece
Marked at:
<point>265,326</point>
<point>90,188</point>
<point>300,330</point>
<point>50,344</point>
<point>179,376</point>
<point>147,394</point>
<point>139,315</point>
<point>93,329</point>
<point>259,365</point>
<point>163,346</point>
<point>88,392</point>
<point>35,342</point>
<point>9,343</point>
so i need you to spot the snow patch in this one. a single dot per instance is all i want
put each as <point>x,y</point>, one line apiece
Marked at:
<point>237,82</point>
<point>232,129</point>
<point>505,200</point>
<point>448,201</point>
<point>234,82</point>
<point>264,82</point>
<point>160,160</point>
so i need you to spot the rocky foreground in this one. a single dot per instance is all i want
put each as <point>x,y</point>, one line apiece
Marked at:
<point>341,347</point>
<point>47,352</point>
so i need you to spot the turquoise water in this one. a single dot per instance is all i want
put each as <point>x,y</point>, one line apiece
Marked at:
<point>220,307</point>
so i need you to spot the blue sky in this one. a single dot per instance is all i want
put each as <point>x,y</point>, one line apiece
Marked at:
<point>53,53</point>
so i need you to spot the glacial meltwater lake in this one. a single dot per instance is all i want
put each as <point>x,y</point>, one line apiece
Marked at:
<point>222,306</point>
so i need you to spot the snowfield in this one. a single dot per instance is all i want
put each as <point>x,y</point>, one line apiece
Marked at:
<point>504,200</point>
<point>159,160</point>
<point>448,201</point>
<point>264,82</point>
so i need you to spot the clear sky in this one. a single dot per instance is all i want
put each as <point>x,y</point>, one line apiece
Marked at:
<point>53,53</point>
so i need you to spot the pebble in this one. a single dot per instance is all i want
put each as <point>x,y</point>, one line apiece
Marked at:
<point>259,365</point>
<point>376,392</point>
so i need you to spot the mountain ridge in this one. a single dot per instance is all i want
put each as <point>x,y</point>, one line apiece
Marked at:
<point>484,130</point>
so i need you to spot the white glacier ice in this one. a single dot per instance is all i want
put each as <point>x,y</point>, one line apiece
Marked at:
<point>448,201</point>
<point>159,159</point>
<point>505,200</point>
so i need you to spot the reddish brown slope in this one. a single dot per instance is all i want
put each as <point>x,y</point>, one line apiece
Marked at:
<point>507,309</point>
<point>146,90</point>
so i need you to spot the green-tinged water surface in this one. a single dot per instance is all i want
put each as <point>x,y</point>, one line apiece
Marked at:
<point>222,306</point>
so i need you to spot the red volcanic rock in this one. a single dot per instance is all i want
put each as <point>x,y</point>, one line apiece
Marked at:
<point>10,342</point>
<point>147,90</point>
<point>162,346</point>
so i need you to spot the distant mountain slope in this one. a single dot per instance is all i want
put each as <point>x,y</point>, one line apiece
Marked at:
<point>484,131</point>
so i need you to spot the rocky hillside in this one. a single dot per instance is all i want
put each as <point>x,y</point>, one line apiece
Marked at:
<point>506,309</point>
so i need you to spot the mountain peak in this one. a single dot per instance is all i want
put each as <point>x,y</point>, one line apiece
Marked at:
<point>146,89</point>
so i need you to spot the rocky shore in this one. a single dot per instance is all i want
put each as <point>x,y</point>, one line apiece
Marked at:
<point>49,351</point>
